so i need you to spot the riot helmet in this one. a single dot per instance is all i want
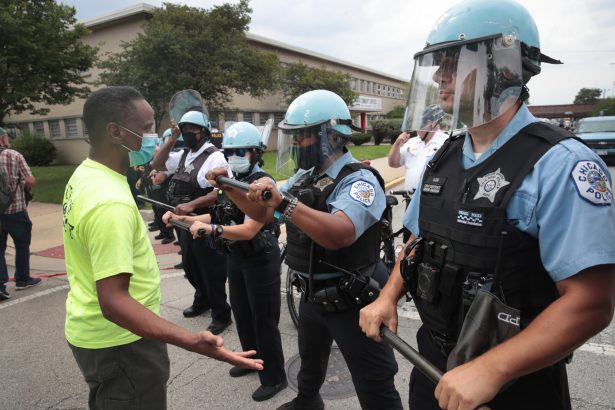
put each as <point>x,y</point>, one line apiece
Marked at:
<point>201,121</point>
<point>478,58</point>
<point>239,139</point>
<point>316,126</point>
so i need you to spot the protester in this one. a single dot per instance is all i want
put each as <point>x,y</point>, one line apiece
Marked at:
<point>507,266</point>
<point>331,207</point>
<point>112,324</point>
<point>14,220</point>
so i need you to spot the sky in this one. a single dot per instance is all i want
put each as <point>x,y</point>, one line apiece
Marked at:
<point>384,35</point>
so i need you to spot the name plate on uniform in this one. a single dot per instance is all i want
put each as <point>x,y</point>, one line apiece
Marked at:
<point>433,185</point>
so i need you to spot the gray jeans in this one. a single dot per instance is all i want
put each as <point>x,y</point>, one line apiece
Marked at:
<point>132,376</point>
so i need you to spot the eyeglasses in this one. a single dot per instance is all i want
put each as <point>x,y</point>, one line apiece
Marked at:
<point>300,135</point>
<point>240,152</point>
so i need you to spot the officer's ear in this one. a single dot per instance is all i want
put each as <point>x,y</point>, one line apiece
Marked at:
<point>113,133</point>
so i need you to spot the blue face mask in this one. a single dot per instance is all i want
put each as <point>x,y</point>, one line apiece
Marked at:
<point>146,153</point>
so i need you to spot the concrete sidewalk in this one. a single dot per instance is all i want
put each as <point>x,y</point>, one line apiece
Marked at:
<point>47,253</point>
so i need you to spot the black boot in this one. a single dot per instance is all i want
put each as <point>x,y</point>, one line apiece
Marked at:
<point>304,403</point>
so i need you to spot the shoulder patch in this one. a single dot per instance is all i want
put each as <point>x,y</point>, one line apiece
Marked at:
<point>363,191</point>
<point>592,183</point>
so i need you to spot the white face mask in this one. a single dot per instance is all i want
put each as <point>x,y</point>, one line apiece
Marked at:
<point>239,165</point>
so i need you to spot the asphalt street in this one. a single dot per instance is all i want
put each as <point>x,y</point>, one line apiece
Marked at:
<point>37,370</point>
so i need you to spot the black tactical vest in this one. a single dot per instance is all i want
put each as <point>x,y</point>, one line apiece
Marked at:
<point>184,186</point>
<point>225,212</point>
<point>462,219</point>
<point>313,192</point>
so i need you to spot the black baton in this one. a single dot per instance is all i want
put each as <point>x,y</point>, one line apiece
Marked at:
<point>221,180</point>
<point>160,204</point>
<point>157,203</point>
<point>185,226</point>
<point>423,365</point>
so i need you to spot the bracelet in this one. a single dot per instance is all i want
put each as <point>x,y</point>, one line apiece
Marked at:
<point>290,209</point>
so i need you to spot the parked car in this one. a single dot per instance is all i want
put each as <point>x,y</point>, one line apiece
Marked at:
<point>599,134</point>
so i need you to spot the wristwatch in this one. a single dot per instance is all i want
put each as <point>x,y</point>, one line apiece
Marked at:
<point>219,231</point>
<point>286,198</point>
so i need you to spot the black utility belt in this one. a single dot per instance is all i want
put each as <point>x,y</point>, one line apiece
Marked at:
<point>339,294</point>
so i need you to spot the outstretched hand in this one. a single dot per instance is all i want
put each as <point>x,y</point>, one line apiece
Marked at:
<point>208,344</point>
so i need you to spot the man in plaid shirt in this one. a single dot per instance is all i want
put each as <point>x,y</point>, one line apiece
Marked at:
<point>15,220</point>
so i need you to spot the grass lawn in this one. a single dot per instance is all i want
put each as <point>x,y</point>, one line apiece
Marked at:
<point>51,180</point>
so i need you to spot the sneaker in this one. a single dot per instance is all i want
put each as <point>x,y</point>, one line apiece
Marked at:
<point>4,295</point>
<point>25,284</point>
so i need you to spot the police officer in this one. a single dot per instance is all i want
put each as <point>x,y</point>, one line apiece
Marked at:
<point>331,207</point>
<point>189,192</point>
<point>254,261</point>
<point>511,201</point>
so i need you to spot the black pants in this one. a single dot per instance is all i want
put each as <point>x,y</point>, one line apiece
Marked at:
<point>206,270</point>
<point>545,389</point>
<point>254,290</point>
<point>132,376</point>
<point>160,194</point>
<point>372,365</point>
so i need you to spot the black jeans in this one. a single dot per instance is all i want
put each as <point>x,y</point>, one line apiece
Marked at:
<point>132,376</point>
<point>254,290</point>
<point>372,365</point>
<point>544,389</point>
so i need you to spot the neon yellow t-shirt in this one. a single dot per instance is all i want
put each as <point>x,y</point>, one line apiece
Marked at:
<point>104,235</point>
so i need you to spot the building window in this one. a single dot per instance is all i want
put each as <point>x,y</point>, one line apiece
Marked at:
<point>70,125</point>
<point>85,129</point>
<point>230,116</point>
<point>24,127</point>
<point>278,117</point>
<point>263,117</point>
<point>54,129</point>
<point>39,128</point>
<point>248,117</point>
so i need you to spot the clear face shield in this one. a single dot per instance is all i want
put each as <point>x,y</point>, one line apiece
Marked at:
<point>473,82</point>
<point>305,148</point>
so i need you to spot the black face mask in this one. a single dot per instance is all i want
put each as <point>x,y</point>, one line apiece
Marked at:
<point>308,157</point>
<point>190,139</point>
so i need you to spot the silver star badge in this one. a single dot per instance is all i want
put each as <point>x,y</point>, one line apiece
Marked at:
<point>490,184</point>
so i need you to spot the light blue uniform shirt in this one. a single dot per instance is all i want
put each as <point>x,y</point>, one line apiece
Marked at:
<point>359,195</point>
<point>574,233</point>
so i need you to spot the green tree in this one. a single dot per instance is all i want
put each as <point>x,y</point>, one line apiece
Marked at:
<point>396,112</point>
<point>298,78</point>
<point>587,96</point>
<point>41,56</point>
<point>604,107</point>
<point>185,47</point>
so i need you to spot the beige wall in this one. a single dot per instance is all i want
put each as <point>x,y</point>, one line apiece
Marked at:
<point>64,124</point>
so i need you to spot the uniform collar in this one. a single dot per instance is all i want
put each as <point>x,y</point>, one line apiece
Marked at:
<point>339,163</point>
<point>521,119</point>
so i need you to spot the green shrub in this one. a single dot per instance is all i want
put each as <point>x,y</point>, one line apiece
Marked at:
<point>359,138</point>
<point>386,130</point>
<point>37,150</point>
